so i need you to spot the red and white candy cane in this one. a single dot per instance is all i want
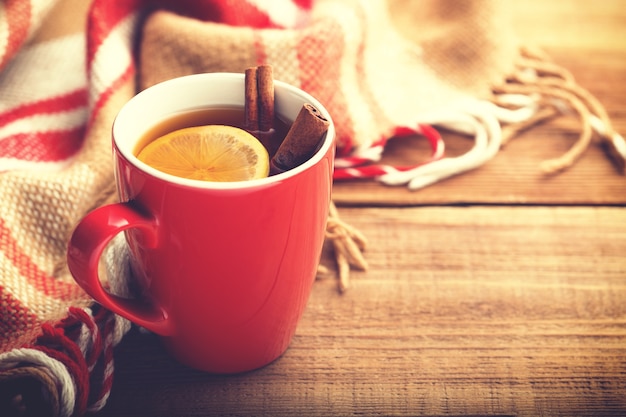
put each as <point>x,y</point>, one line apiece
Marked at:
<point>361,163</point>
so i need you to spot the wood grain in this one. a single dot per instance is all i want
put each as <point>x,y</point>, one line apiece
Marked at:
<point>570,24</point>
<point>465,311</point>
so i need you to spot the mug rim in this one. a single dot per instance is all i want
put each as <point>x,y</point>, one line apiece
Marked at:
<point>132,106</point>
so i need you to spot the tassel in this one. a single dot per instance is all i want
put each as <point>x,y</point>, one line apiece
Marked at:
<point>556,92</point>
<point>348,244</point>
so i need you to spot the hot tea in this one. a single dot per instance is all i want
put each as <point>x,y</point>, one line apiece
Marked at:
<point>230,116</point>
<point>211,145</point>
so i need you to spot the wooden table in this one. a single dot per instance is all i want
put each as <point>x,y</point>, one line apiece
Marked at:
<point>498,292</point>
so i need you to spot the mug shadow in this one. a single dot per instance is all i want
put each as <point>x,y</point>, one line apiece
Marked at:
<point>148,380</point>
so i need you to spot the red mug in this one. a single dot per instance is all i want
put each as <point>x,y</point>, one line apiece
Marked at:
<point>225,269</point>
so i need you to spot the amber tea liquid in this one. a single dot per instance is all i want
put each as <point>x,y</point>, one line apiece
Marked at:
<point>231,116</point>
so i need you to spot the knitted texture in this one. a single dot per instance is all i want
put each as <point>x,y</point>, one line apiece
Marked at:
<point>382,68</point>
<point>352,55</point>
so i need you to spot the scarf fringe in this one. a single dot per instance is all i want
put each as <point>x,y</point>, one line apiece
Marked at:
<point>73,360</point>
<point>348,245</point>
<point>555,92</point>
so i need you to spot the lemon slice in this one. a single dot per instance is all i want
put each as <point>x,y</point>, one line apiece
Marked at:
<point>208,153</point>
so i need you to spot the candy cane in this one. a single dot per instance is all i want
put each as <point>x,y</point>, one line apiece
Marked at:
<point>358,165</point>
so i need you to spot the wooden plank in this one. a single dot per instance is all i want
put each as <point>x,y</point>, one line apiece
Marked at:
<point>465,311</point>
<point>570,24</point>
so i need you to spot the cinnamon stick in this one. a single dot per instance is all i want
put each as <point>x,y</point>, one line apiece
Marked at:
<point>251,104</point>
<point>302,140</point>
<point>265,87</point>
<point>259,98</point>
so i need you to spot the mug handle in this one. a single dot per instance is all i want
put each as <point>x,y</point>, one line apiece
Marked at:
<point>85,248</point>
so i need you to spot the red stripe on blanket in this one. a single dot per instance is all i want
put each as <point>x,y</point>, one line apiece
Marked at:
<point>50,146</point>
<point>128,73</point>
<point>18,18</point>
<point>244,14</point>
<point>103,16</point>
<point>259,49</point>
<point>304,4</point>
<point>324,43</point>
<point>17,323</point>
<point>65,102</point>
<point>234,13</point>
<point>30,271</point>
